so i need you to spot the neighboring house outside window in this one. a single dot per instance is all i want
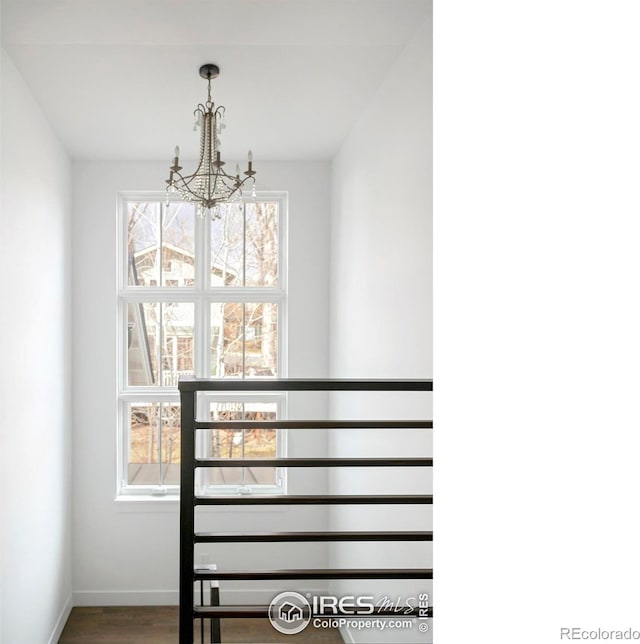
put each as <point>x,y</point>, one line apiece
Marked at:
<point>203,297</point>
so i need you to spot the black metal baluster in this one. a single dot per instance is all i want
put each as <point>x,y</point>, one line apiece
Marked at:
<point>187,478</point>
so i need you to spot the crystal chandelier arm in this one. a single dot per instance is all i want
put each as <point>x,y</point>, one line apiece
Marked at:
<point>230,182</point>
<point>186,179</point>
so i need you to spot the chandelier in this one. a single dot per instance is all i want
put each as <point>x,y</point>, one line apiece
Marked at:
<point>209,185</point>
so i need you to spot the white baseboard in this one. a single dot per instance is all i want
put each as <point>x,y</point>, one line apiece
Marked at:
<point>125,597</point>
<point>171,597</point>
<point>62,620</point>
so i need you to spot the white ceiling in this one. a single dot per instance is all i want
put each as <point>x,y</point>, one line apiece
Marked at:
<point>118,79</point>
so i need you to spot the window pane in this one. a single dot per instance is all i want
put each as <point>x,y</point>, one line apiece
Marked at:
<point>143,331</point>
<point>178,245</point>
<point>261,244</point>
<point>261,339</point>
<point>244,339</point>
<point>177,341</point>
<point>160,343</point>
<point>143,244</point>
<point>226,340</point>
<point>231,443</point>
<point>227,246</point>
<point>226,443</point>
<point>143,444</point>
<point>170,445</point>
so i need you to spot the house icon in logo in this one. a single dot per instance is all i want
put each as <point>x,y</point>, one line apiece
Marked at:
<point>290,613</point>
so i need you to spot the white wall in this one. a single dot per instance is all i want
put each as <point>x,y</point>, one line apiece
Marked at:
<point>381,312</point>
<point>126,553</point>
<point>35,418</point>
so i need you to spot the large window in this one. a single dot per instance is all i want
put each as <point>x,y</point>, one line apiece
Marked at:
<point>204,297</point>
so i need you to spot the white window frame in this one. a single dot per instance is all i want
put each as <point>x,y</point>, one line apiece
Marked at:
<point>202,294</point>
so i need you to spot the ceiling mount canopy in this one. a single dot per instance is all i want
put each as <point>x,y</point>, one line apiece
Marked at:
<point>209,185</point>
<point>209,71</point>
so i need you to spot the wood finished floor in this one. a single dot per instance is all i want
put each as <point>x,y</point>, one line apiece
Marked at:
<point>159,625</point>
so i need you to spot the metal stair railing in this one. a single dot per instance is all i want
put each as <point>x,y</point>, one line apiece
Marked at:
<point>189,387</point>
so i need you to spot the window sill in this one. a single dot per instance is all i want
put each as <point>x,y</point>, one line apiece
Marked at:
<point>171,503</point>
<point>147,503</point>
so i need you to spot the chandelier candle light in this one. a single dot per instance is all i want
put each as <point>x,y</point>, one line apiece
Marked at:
<point>209,185</point>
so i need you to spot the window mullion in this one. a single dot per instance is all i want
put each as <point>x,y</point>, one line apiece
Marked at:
<point>244,436</point>
<point>124,412</point>
<point>244,306</point>
<point>160,412</point>
<point>201,332</point>
<point>244,340</point>
<point>202,283</point>
<point>244,244</point>
<point>162,211</point>
<point>160,328</point>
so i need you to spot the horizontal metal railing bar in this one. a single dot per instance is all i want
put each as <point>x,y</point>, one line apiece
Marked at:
<point>315,462</point>
<point>313,424</point>
<point>263,537</point>
<point>190,383</point>
<point>249,612</point>
<point>315,499</point>
<point>323,573</point>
